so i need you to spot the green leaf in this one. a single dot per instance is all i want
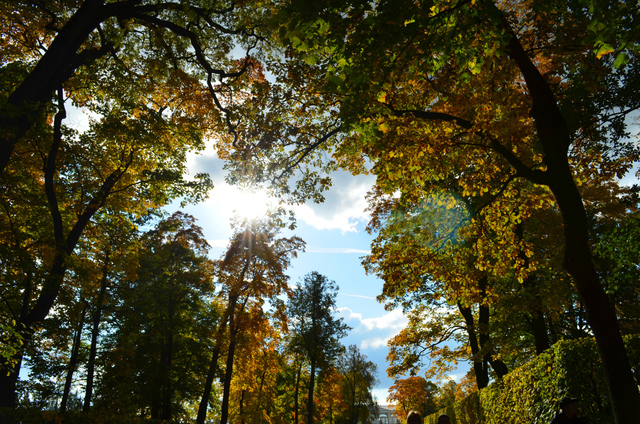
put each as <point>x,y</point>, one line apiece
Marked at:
<point>621,60</point>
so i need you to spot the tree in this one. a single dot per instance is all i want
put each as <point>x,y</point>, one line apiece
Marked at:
<point>359,378</point>
<point>86,302</point>
<point>316,332</point>
<point>57,44</point>
<point>254,386</point>
<point>64,181</point>
<point>413,394</point>
<point>112,254</point>
<point>451,273</point>
<point>331,407</point>
<point>467,83</point>
<point>287,387</point>
<point>163,321</point>
<point>250,274</point>
<point>137,68</point>
<point>618,259</point>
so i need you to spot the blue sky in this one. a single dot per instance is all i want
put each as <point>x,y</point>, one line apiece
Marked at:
<point>334,232</point>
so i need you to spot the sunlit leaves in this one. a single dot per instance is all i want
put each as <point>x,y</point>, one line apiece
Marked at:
<point>359,376</point>
<point>413,394</point>
<point>10,342</point>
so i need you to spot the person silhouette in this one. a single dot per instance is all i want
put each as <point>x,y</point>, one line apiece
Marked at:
<point>444,419</point>
<point>414,417</point>
<point>569,412</point>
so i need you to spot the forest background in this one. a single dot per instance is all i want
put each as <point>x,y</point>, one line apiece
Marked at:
<point>498,134</point>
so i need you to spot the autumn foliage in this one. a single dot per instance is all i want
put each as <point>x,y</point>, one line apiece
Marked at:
<point>499,134</point>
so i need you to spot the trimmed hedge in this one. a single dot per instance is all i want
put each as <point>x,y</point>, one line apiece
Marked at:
<point>530,394</point>
<point>35,416</point>
<point>433,418</point>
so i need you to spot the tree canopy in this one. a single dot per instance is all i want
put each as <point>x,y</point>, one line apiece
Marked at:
<point>517,105</point>
<point>316,330</point>
<point>498,133</point>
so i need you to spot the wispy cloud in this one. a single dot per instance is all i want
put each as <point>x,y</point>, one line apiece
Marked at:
<point>357,295</point>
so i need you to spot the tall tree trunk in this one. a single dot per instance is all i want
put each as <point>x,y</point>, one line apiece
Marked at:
<point>241,409</point>
<point>601,315</point>
<point>499,367</point>
<point>166,365</point>
<point>95,332</point>
<point>204,402</point>
<point>555,140</point>
<point>166,390</point>
<point>484,316</point>
<point>260,395</point>
<point>538,327</point>
<point>156,403</point>
<point>312,379</point>
<point>479,364</point>
<point>213,365</point>
<point>8,380</point>
<point>73,360</point>
<point>296,395</point>
<point>224,411</point>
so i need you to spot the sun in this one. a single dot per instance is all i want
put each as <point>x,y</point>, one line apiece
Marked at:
<point>248,204</point>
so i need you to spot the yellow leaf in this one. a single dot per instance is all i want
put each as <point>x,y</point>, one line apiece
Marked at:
<point>604,49</point>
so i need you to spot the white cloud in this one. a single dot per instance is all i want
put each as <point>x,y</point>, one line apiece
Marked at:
<point>221,243</point>
<point>381,395</point>
<point>345,220</point>
<point>343,208</point>
<point>374,343</point>
<point>374,332</point>
<point>455,377</point>
<point>344,205</point>
<point>394,320</point>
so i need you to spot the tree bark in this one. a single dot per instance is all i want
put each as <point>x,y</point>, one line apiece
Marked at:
<point>213,365</point>
<point>226,392</point>
<point>241,410</point>
<point>95,332</point>
<point>538,327</point>
<point>204,402</point>
<point>296,396</point>
<point>73,360</point>
<point>535,318</point>
<point>52,70</point>
<point>555,140</point>
<point>166,366</point>
<point>499,367</point>
<point>312,379</point>
<point>479,362</point>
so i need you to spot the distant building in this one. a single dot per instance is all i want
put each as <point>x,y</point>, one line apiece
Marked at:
<point>385,415</point>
